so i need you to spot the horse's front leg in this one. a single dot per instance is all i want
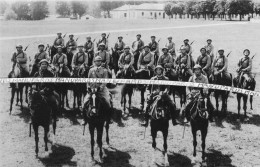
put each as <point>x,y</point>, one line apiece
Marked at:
<point>142,99</point>
<point>92,141</point>
<point>130,99</point>
<point>107,133</point>
<point>238,104</point>
<point>74,99</point>
<point>194,133</point>
<point>54,125</point>
<point>17,96</point>
<point>216,98</point>
<point>21,98</point>
<point>251,102</point>
<point>26,93</point>
<point>245,97</point>
<point>203,142</point>
<point>36,137</point>
<point>46,131</point>
<point>99,141</point>
<point>12,99</point>
<point>67,99</point>
<point>154,135</point>
<point>165,135</point>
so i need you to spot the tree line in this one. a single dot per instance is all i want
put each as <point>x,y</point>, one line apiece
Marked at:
<point>212,8</point>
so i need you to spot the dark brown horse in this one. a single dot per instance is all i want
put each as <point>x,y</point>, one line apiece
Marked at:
<point>199,122</point>
<point>41,116</point>
<point>244,84</point>
<point>160,116</point>
<point>172,75</point>
<point>97,115</point>
<point>127,89</point>
<point>18,87</point>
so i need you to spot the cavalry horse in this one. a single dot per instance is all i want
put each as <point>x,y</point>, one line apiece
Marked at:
<point>142,74</point>
<point>199,122</point>
<point>18,87</point>
<point>41,116</point>
<point>160,115</point>
<point>242,83</point>
<point>127,89</point>
<point>97,115</point>
<point>220,79</point>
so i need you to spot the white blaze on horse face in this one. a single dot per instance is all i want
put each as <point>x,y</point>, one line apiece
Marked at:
<point>94,102</point>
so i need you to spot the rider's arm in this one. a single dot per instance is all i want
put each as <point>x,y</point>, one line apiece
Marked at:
<point>75,45</point>
<point>73,62</point>
<point>120,60</point>
<point>190,52</point>
<point>170,63</point>
<point>213,64</point>
<point>208,63</point>
<point>65,61</point>
<point>24,59</point>
<point>160,60</point>
<point>139,61</point>
<point>225,65</point>
<point>107,58</point>
<point>188,89</point>
<point>249,68</point>
<point>152,60</point>
<point>86,59</point>
<point>176,61</point>
<point>132,59</point>
<point>198,59</point>
<point>62,42</point>
<point>188,62</point>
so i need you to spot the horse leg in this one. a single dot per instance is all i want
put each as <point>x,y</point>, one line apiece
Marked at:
<point>92,141</point>
<point>165,135</point>
<point>154,135</point>
<point>17,96</point>
<point>245,105</point>
<point>99,141</point>
<point>217,105</point>
<point>74,99</point>
<point>194,134</point>
<point>12,100</point>
<point>36,137</point>
<point>107,134</point>
<point>203,144</point>
<point>238,104</point>
<point>46,131</point>
<point>54,125</point>
<point>26,93</point>
<point>21,98</point>
<point>124,102</point>
<point>173,94</point>
<point>142,99</point>
<point>67,101</point>
<point>251,102</point>
<point>130,99</point>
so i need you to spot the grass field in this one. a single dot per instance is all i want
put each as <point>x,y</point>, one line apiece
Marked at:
<point>229,143</point>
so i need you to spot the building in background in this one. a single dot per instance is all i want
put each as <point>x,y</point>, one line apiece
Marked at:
<point>145,10</point>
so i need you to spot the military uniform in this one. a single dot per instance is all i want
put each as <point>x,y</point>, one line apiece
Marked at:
<point>21,59</point>
<point>105,57</point>
<point>205,62</point>
<point>171,47</point>
<point>165,61</point>
<point>104,41</point>
<point>245,63</point>
<point>59,42</point>
<point>79,59</point>
<point>119,47</point>
<point>89,49</point>
<point>184,60</point>
<point>154,47</point>
<point>203,92</point>
<point>221,64</point>
<point>37,58</point>
<point>137,47</point>
<point>125,59</point>
<point>60,59</point>
<point>72,43</point>
<point>210,51</point>
<point>146,61</point>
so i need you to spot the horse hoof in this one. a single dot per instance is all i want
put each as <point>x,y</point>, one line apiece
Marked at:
<point>36,155</point>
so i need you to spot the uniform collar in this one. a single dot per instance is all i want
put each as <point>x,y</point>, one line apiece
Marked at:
<point>159,76</point>
<point>199,77</point>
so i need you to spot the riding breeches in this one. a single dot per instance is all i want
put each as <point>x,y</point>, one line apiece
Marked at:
<point>248,76</point>
<point>104,95</point>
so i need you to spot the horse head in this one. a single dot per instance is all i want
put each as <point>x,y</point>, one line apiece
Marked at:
<point>159,108</point>
<point>128,72</point>
<point>92,105</point>
<point>200,107</point>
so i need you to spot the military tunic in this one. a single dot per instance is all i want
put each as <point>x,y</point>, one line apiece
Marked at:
<point>59,42</point>
<point>119,46</point>
<point>210,51</point>
<point>21,59</point>
<point>105,57</point>
<point>154,47</point>
<point>165,61</point>
<point>72,43</point>
<point>125,58</point>
<point>89,49</point>
<point>78,59</point>
<point>220,64</point>
<point>39,56</point>
<point>59,59</point>
<point>205,62</point>
<point>137,45</point>
<point>146,59</point>
<point>245,63</point>
<point>104,41</point>
<point>171,48</point>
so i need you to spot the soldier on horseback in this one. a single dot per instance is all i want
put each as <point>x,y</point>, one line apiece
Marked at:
<point>72,43</point>
<point>154,48</point>
<point>60,61</point>
<point>171,47</point>
<point>244,68</point>
<point>188,49</point>
<point>105,57</point>
<point>165,60</point>
<point>20,59</point>
<point>47,89</point>
<point>79,60</point>
<point>183,61</point>
<point>103,40</point>
<point>162,90</point>
<point>59,41</point>
<point>38,57</point>
<point>198,77</point>
<point>204,61</point>
<point>220,65</point>
<point>210,50</point>
<point>99,72</point>
<point>137,47</point>
<point>119,46</point>
<point>125,59</point>
<point>146,61</point>
<point>89,49</point>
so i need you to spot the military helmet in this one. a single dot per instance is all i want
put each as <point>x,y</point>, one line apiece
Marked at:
<point>197,66</point>
<point>152,36</point>
<point>138,35</point>
<point>44,60</point>
<point>203,48</point>
<point>59,47</point>
<point>246,50</point>
<point>41,44</point>
<point>186,40</point>
<point>103,33</point>
<point>127,47</point>
<point>88,37</point>
<point>120,37</point>
<point>19,46</point>
<point>59,33</point>
<point>209,39</point>
<point>169,37</point>
<point>71,35</point>
<point>219,49</point>
<point>101,44</point>
<point>164,48</point>
<point>158,67</point>
<point>146,46</point>
<point>80,45</point>
<point>98,58</point>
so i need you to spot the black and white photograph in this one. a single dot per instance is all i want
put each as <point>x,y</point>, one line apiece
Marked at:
<point>130,83</point>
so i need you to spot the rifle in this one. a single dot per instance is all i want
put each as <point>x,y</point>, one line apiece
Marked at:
<point>47,47</point>
<point>64,35</point>
<point>108,35</point>
<point>77,39</point>
<point>192,42</point>
<point>26,47</point>
<point>94,40</point>
<point>159,40</point>
<point>253,56</point>
<point>229,53</point>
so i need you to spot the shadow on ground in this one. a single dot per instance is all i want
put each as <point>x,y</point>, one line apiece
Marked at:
<point>61,156</point>
<point>216,158</point>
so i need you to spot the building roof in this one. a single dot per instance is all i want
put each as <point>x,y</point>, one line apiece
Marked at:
<point>144,6</point>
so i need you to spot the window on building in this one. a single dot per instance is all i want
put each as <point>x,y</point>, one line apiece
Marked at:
<point>159,13</point>
<point>151,13</point>
<point>142,13</point>
<point>124,14</point>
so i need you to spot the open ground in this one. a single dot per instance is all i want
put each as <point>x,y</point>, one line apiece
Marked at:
<point>229,143</point>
